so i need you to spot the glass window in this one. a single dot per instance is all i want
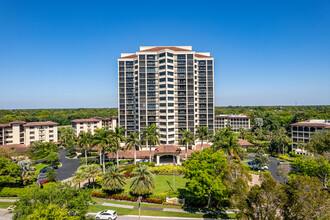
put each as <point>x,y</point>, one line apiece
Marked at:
<point>162,55</point>
<point>162,61</point>
<point>169,61</point>
<point>170,86</point>
<point>162,73</point>
<point>162,67</point>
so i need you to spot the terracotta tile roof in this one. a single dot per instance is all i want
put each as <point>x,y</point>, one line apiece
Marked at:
<point>85,120</point>
<point>4,125</point>
<point>155,49</point>
<point>202,56</point>
<point>244,142</point>
<point>130,56</point>
<point>40,123</point>
<point>167,149</point>
<point>17,147</point>
<point>308,124</point>
<point>17,122</point>
<point>114,117</point>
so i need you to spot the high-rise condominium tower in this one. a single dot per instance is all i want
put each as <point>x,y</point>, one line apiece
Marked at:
<point>171,87</point>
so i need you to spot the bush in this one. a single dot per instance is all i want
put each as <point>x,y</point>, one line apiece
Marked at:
<point>249,150</point>
<point>168,169</point>
<point>13,192</point>
<point>124,161</point>
<point>127,197</point>
<point>108,164</point>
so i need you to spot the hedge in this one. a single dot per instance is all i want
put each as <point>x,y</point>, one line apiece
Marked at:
<point>126,198</point>
<point>13,192</point>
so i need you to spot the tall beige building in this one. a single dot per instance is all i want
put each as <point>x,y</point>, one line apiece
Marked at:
<point>171,87</point>
<point>89,125</point>
<point>21,132</point>
<point>234,121</point>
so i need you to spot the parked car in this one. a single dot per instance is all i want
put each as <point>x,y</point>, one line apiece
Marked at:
<point>51,167</point>
<point>143,161</point>
<point>107,214</point>
<point>251,163</point>
<point>47,181</point>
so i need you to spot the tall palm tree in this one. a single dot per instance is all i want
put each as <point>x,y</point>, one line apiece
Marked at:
<point>203,133</point>
<point>187,139</point>
<point>93,171</point>
<point>150,134</point>
<point>131,141</point>
<point>85,140</point>
<point>118,136</point>
<point>143,182</point>
<point>102,140</point>
<point>226,140</point>
<point>113,179</point>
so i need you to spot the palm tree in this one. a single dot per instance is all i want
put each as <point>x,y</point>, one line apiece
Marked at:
<point>79,176</point>
<point>187,139</point>
<point>112,179</point>
<point>131,142</point>
<point>93,171</point>
<point>150,134</point>
<point>203,133</point>
<point>85,141</point>
<point>143,182</point>
<point>226,140</point>
<point>102,139</point>
<point>117,137</point>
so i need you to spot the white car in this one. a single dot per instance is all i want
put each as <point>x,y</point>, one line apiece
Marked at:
<point>107,214</point>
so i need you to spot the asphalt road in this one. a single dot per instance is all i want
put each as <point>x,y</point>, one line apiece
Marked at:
<point>4,215</point>
<point>69,166</point>
<point>272,168</point>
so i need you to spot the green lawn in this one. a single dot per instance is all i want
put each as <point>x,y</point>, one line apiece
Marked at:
<point>4,205</point>
<point>163,183</point>
<point>124,211</point>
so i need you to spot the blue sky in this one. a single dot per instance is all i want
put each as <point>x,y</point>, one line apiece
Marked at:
<point>62,54</point>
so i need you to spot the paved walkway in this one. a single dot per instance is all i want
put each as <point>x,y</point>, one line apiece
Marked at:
<point>69,166</point>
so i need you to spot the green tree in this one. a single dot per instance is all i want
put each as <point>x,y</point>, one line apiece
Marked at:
<point>263,202</point>
<point>113,179</point>
<point>85,141</point>
<point>187,138</point>
<point>118,137</point>
<point>53,157</point>
<point>92,171</point>
<point>314,167</point>
<point>42,150</point>
<point>205,171</point>
<point>51,212</point>
<point>261,159</point>
<point>79,176</point>
<point>236,179</point>
<point>9,172</point>
<point>51,175</point>
<point>151,135</point>
<point>320,142</point>
<point>27,170</point>
<point>203,133</point>
<point>143,181</point>
<point>271,122</point>
<point>74,200</point>
<point>132,141</point>
<point>306,199</point>
<point>66,136</point>
<point>102,139</point>
<point>259,122</point>
<point>226,140</point>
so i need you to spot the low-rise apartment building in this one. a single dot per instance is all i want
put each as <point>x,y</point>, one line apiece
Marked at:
<point>302,131</point>
<point>90,124</point>
<point>234,121</point>
<point>21,132</point>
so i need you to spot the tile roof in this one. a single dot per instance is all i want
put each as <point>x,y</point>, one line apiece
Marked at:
<point>85,120</point>
<point>309,124</point>
<point>17,122</point>
<point>16,147</point>
<point>155,49</point>
<point>130,56</point>
<point>40,123</point>
<point>244,142</point>
<point>167,149</point>
<point>202,56</point>
<point>4,125</point>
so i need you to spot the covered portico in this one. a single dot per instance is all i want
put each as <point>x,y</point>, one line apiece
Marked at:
<point>167,154</point>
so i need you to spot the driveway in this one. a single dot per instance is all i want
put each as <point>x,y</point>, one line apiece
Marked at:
<point>272,168</point>
<point>69,166</point>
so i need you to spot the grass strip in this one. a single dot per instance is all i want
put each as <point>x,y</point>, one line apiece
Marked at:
<point>137,204</point>
<point>4,205</point>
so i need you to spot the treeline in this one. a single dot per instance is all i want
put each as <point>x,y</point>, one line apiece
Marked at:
<point>286,115</point>
<point>61,116</point>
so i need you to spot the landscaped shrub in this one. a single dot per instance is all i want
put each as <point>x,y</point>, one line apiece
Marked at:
<point>249,150</point>
<point>124,161</point>
<point>13,192</point>
<point>126,197</point>
<point>168,169</point>
<point>128,174</point>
